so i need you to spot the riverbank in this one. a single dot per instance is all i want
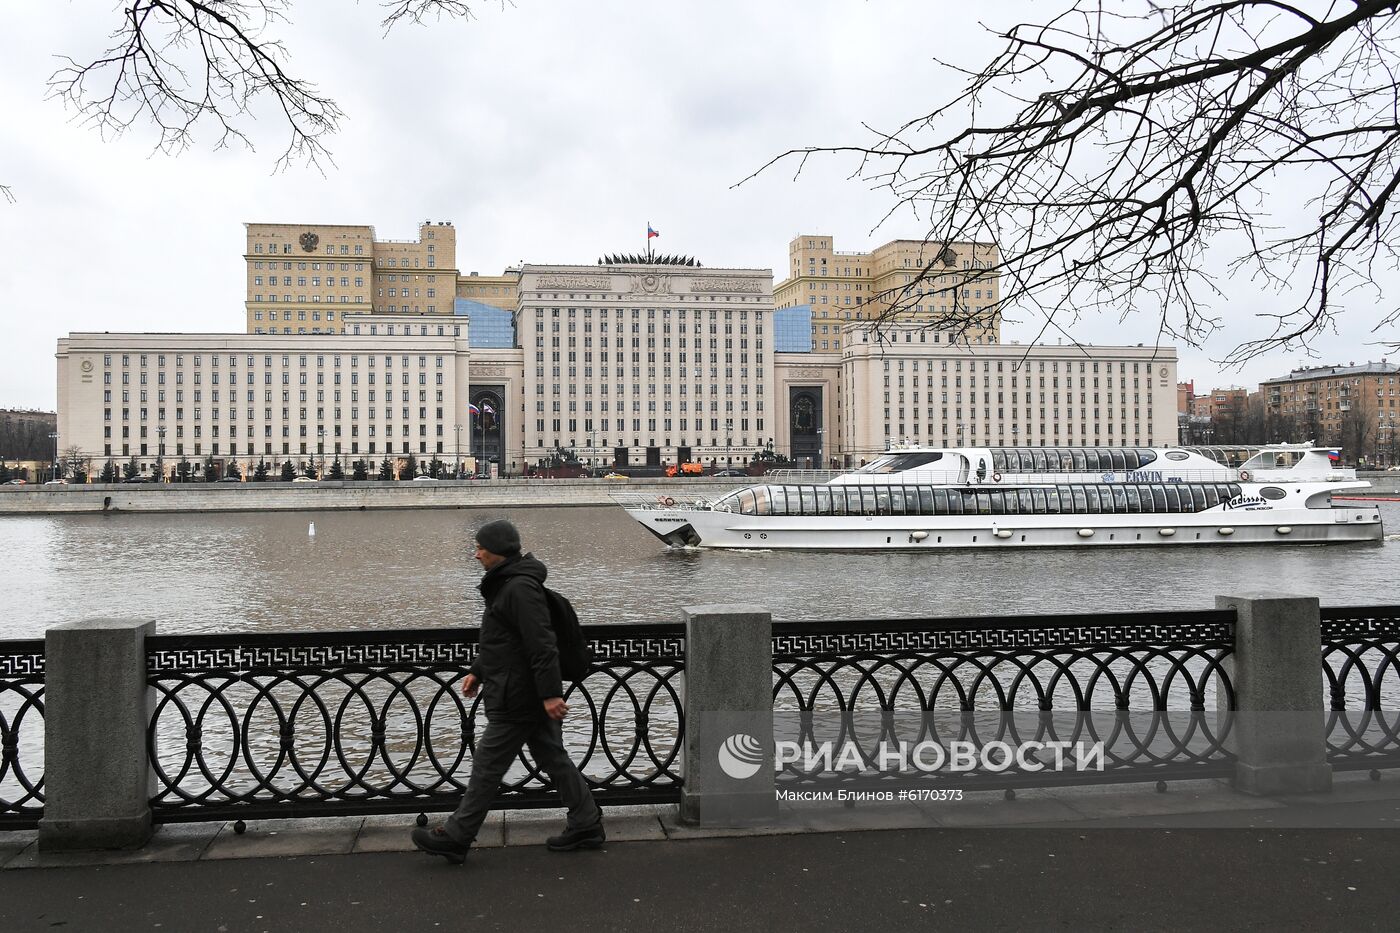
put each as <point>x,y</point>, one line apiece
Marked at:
<point>329,495</point>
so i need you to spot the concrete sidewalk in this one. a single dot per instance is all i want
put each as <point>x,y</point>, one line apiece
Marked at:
<point>1356,802</point>
<point>982,875</point>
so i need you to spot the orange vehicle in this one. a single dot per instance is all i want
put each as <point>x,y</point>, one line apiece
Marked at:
<point>687,469</point>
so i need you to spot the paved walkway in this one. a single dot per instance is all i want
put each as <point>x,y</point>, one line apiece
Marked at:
<point>1195,861</point>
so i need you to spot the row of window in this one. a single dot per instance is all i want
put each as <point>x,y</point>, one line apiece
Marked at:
<point>936,500</point>
<point>143,359</point>
<point>1070,460</point>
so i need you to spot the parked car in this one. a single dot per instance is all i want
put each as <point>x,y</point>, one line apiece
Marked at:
<point>137,479</point>
<point>231,479</point>
<point>15,482</point>
<point>616,476</point>
<point>57,482</point>
<point>731,473</point>
<point>425,479</point>
<point>303,479</point>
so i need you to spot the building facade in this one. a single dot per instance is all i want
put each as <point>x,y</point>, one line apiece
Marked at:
<point>304,278</point>
<point>391,386</point>
<point>645,364</point>
<point>842,287</point>
<point>1353,407</point>
<point>898,386</point>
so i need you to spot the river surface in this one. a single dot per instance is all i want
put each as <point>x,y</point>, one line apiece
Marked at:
<point>262,571</point>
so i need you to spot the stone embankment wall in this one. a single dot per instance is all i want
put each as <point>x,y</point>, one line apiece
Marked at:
<point>327,495</point>
<point>445,494</point>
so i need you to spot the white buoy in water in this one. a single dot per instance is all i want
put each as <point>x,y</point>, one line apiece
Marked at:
<point>311,530</point>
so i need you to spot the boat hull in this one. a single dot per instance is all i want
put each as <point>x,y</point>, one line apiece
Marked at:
<point>731,530</point>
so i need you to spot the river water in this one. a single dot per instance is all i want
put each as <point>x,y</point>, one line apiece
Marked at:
<point>395,569</point>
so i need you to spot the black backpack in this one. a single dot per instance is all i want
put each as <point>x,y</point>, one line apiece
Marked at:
<point>575,657</point>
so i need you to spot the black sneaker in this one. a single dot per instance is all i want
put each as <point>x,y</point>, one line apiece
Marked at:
<point>591,838</point>
<point>435,841</point>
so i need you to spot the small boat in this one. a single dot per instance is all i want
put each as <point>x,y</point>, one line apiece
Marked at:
<point>926,498</point>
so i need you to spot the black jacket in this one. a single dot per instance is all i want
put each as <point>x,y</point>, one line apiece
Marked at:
<point>518,659</point>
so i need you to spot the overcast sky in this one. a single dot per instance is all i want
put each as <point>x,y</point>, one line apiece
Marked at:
<point>551,131</point>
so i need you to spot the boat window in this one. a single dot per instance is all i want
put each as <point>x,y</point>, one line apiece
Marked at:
<point>1159,498</point>
<point>867,501</point>
<point>1272,492</point>
<point>823,500</point>
<point>882,501</point>
<point>1212,494</point>
<point>1005,502</point>
<point>809,500</point>
<point>984,503</point>
<point>1079,502</point>
<point>877,465</point>
<point>1079,462</point>
<point>1134,503</point>
<point>1120,499</point>
<point>1145,456</point>
<point>746,502</point>
<point>1118,460</point>
<point>777,499</point>
<point>999,461</point>
<point>896,500</point>
<point>1038,461</point>
<point>1178,455</point>
<point>940,502</point>
<point>902,462</point>
<point>1174,498</point>
<point>1095,506</point>
<point>1037,500</point>
<point>1027,506</point>
<point>1198,497</point>
<point>926,501</point>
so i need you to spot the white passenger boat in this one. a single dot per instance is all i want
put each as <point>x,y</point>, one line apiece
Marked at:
<point>923,498</point>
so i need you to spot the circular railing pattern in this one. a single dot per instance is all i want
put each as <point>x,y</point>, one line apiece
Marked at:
<point>21,733</point>
<point>1153,690</point>
<point>1361,667</point>
<point>339,723</point>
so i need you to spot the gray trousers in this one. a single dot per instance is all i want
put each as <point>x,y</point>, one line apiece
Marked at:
<point>496,750</point>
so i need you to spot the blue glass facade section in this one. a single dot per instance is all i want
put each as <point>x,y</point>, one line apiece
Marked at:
<point>792,329</point>
<point>490,327</point>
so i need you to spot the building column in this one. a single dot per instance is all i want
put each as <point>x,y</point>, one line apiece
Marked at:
<point>1279,731</point>
<point>728,765</point>
<point>97,779</point>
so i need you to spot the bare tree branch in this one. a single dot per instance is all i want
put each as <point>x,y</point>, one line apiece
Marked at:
<point>197,70</point>
<point>1141,150</point>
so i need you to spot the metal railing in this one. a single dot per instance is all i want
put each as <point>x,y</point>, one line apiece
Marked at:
<point>1361,664</point>
<point>256,726</point>
<point>1152,687</point>
<point>21,733</point>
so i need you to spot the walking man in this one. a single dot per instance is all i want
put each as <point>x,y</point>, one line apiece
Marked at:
<point>517,673</point>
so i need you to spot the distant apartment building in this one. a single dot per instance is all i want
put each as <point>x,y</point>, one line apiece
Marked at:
<point>1352,406</point>
<point>845,287</point>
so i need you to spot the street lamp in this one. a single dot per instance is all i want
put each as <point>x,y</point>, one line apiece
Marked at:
<point>821,463</point>
<point>729,441</point>
<point>457,429</point>
<point>54,438</point>
<point>160,454</point>
<point>320,450</point>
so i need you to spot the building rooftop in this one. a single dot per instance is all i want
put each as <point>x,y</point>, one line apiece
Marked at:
<point>1324,372</point>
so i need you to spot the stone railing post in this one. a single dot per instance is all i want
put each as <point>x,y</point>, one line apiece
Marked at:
<point>1280,719</point>
<point>97,778</point>
<point>728,766</point>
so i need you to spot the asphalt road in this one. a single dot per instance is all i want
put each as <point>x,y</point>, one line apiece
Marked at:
<point>1079,878</point>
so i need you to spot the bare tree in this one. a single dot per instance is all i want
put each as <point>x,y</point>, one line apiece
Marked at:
<point>199,69</point>
<point>1118,155</point>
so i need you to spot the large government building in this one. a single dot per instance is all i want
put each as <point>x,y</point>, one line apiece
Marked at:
<point>360,348</point>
